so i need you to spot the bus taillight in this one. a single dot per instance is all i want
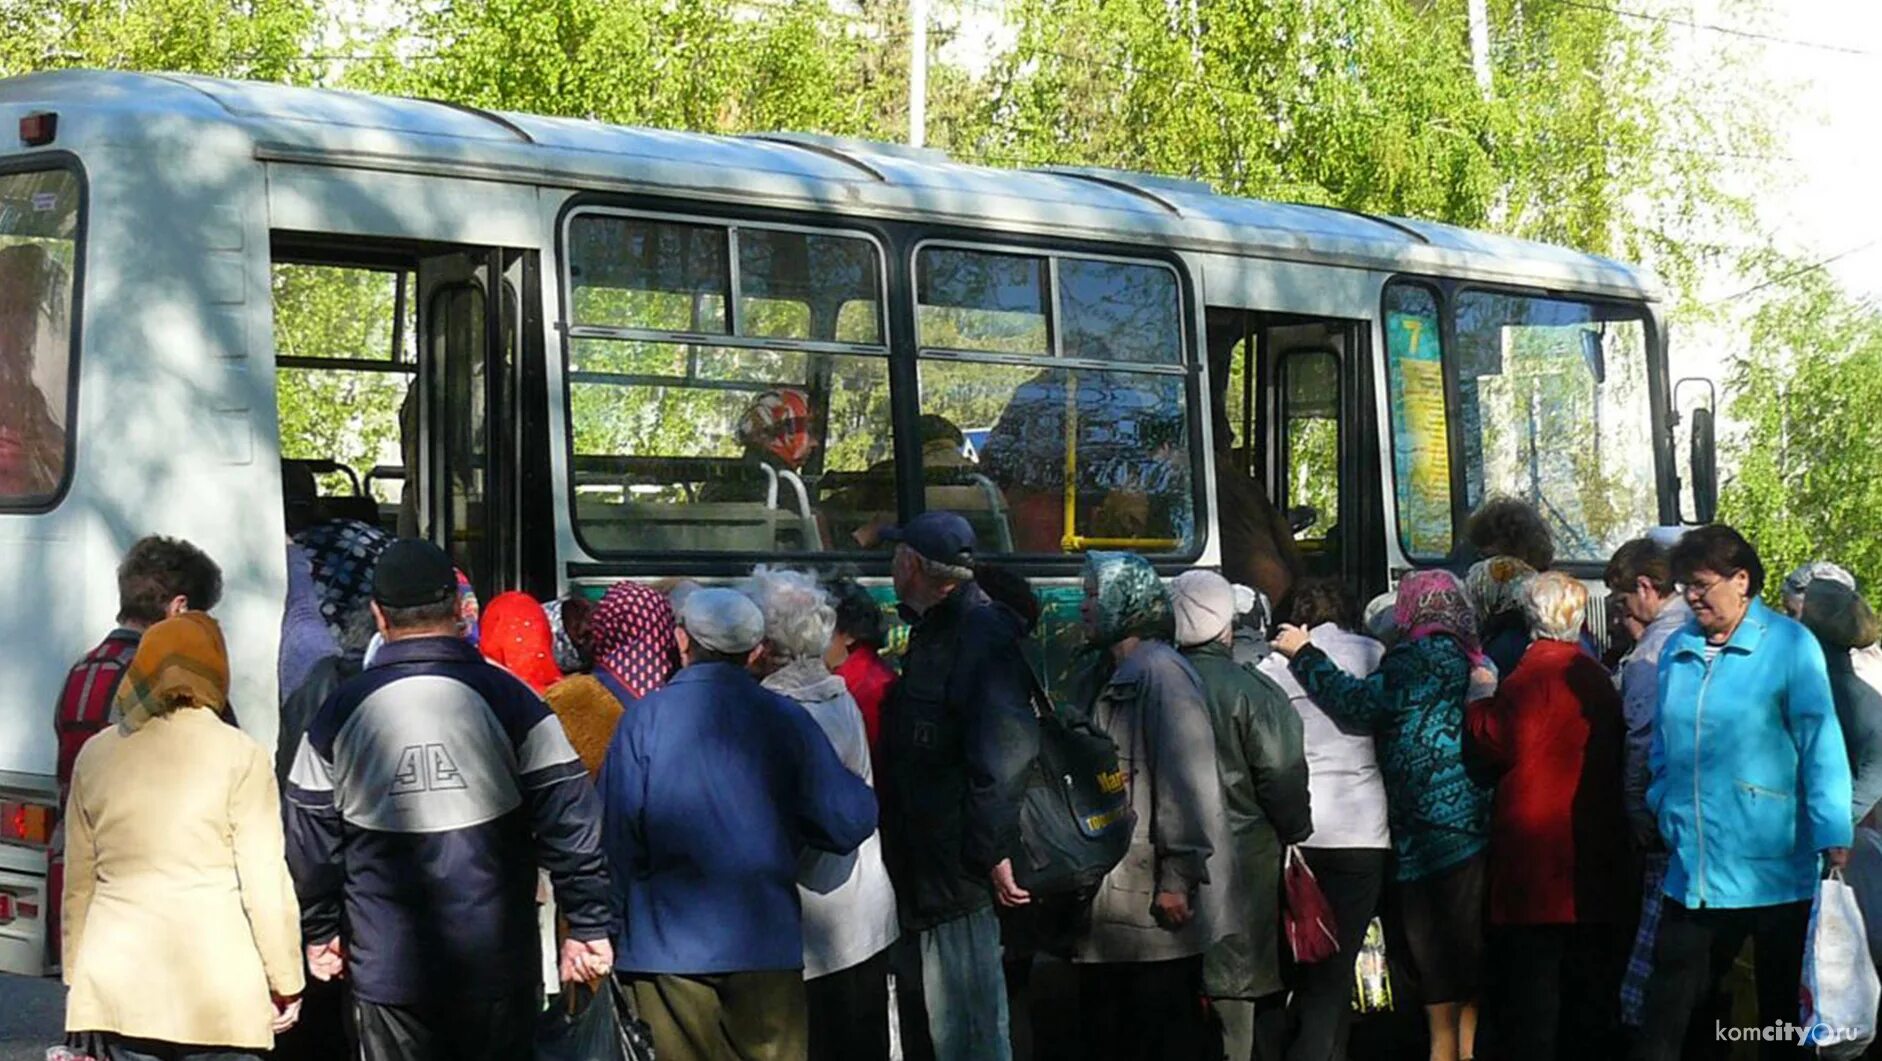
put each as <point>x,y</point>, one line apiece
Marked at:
<point>25,823</point>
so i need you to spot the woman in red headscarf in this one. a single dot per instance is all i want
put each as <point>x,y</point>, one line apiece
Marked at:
<point>514,633</point>
<point>635,653</point>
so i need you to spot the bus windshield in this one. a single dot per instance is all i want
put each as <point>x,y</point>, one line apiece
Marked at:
<point>1554,408</point>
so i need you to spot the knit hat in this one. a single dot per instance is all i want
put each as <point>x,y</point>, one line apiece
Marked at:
<point>1204,603</point>
<point>722,620</point>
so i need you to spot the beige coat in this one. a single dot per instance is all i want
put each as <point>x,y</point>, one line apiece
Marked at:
<point>180,917</point>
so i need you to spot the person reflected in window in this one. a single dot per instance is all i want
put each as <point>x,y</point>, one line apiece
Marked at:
<point>777,432</point>
<point>32,311</point>
<point>945,466</point>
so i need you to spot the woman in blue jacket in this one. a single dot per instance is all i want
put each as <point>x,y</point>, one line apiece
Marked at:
<point>1749,785</point>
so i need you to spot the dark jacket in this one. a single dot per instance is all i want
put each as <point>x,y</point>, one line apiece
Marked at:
<point>714,787</point>
<point>1414,705</point>
<point>959,736</point>
<point>1261,759</point>
<point>424,795</point>
<point>1859,709</point>
<point>298,710</point>
<point>1553,735</point>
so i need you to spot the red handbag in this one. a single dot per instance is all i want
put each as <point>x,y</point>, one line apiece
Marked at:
<point>1307,917</point>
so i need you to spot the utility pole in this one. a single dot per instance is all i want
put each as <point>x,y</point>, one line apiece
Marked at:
<point>918,73</point>
<point>1480,44</point>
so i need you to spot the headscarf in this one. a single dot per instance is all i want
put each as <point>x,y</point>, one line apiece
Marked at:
<point>568,658</point>
<point>180,662</point>
<point>633,634</point>
<point>467,609</point>
<point>1797,583</point>
<point>1132,601</point>
<point>306,639</point>
<point>779,424</point>
<point>1434,602</point>
<point>1381,617</point>
<point>1496,585</point>
<point>343,554</point>
<point>516,637</point>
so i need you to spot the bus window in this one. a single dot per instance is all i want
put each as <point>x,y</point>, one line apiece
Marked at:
<point>1556,410</point>
<point>1421,455</point>
<point>774,438</point>
<point>1310,445</point>
<point>1120,428</point>
<point>38,248</point>
<point>345,340</point>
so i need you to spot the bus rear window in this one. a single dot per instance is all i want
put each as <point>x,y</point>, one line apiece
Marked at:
<point>39,217</point>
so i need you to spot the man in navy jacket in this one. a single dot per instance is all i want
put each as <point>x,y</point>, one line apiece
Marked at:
<point>425,793</point>
<point>713,788</point>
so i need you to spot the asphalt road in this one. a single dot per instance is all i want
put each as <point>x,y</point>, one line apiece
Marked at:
<point>32,1016</point>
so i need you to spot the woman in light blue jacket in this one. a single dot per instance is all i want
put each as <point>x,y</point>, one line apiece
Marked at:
<point>1750,786</point>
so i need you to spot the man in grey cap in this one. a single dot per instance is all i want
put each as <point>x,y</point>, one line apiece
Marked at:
<point>959,738</point>
<point>713,788</point>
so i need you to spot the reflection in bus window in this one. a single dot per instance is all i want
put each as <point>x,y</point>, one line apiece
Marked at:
<point>1555,407</point>
<point>689,445</point>
<point>1129,460</point>
<point>38,220</point>
<point>1068,459</point>
<point>988,303</point>
<point>1120,311</point>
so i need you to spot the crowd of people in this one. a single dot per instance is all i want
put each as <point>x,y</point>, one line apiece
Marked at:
<point>785,847</point>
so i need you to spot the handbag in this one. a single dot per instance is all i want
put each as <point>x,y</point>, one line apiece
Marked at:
<point>593,1024</point>
<point>1308,918</point>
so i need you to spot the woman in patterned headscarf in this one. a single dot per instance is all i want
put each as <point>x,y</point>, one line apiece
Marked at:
<point>1140,975</point>
<point>635,653</point>
<point>1414,704</point>
<point>1496,588</point>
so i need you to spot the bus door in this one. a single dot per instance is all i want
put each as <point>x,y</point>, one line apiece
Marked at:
<point>483,421</point>
<point>1296,397</point>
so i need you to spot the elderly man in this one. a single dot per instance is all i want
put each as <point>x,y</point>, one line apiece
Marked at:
<point>713,788</point>
<point>958,738</point>
<point>1262,763</point>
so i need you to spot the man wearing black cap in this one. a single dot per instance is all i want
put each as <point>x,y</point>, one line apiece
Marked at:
<point>959,736</point>
<point>424,795</point>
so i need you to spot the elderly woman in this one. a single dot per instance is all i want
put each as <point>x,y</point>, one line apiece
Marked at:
<point>631,639</point>
<point>1750,786</point>
<point>1347,851</point>
<point>1560,886</point>
<point>1160,910</point>
<point>1496,588</point>
<point>1845,626</point>
<point>182,934</point>
<point>849,906</point>
<point>1414,706</point>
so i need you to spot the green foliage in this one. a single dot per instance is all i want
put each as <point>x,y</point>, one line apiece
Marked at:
<point>1807,394</point>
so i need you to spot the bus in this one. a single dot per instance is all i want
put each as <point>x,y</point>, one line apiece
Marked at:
<point>540,342</point>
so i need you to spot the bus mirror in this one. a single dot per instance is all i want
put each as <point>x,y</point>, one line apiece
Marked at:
<point>1695,417</point>
<point>1705,468</point>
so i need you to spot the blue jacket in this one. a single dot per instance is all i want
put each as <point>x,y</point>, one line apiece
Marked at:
<point>425,793</point>
<point>1749,780</point>
<point>712,789</point>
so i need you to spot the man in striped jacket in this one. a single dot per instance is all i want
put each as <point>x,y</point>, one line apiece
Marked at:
<point>159,578</point>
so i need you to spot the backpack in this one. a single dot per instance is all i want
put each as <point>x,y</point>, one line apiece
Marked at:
<point>1075,817</point>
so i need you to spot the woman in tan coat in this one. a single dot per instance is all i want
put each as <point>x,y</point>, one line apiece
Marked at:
<point>182,934</point>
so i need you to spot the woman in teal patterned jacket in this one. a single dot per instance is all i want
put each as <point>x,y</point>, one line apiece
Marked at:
<point>1414,705</point>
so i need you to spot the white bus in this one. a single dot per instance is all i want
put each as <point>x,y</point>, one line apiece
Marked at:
<point>534,341</point>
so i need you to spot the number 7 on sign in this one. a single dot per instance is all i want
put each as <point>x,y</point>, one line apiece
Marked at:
<point>1415,328</point>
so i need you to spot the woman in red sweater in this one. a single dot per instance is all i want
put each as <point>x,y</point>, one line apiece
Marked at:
<point>1560,878</point>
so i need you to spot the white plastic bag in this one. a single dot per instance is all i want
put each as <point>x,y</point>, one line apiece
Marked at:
<point>1840,986</point>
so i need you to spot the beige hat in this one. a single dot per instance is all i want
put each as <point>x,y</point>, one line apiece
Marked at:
<point>1205,606</point>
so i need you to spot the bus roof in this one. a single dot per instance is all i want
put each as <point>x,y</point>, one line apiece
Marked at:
<point>329,127</point>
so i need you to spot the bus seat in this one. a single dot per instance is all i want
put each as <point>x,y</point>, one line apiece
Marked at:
<point>980,502</point>
<point>706,526</point>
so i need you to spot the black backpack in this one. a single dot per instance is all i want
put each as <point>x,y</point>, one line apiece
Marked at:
<point>1075,818</point>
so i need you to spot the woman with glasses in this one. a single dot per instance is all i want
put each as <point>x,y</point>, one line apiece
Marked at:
<point>1750,788</point>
